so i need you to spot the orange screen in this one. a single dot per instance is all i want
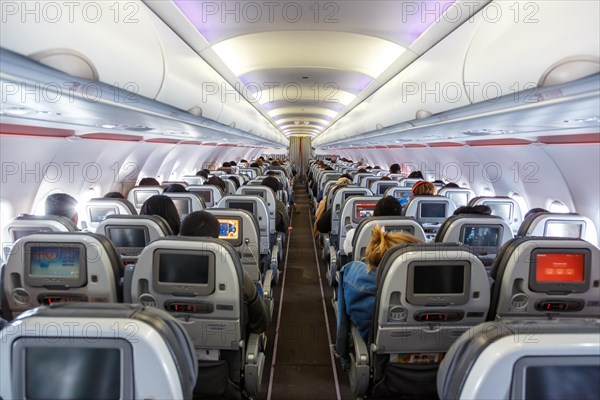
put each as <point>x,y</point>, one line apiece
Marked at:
<point>556,267</point>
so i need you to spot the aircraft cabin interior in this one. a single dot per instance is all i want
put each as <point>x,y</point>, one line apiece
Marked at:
<point>309,199</point>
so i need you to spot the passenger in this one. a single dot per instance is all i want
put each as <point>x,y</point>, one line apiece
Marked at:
<point>204,224</point>
<point>480,209</point>
<point>416,175</point>
<point>63,205</point>
<point>175,188</point>
<point>282,221</point>
<point>162,206</point>
<point>386,206</point>
<point>395,169</point>
<point>148,182</point>
<point>423,188</point>
<point>204,173</point>
<point>358,287</point>
<point>114,195</point>
<point>534,211</point>
<point>323,215</point>
<point>450,185</point>
<point>218,182</point>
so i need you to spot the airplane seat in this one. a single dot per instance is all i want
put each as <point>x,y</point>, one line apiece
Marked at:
<point>131,233</point>
<point>98,209</point>
<point>240,229</point>
<point>211,194</point>
<point>368,181</point>
<point>460,196</point>
<point>267,194</point>
<point>483,234</point>
<point>248,172</point>
<point>503,206</point>
<point>199,282</point>
<point>380,187</point>
<point>397,177</point>
<point>256,205</point>
<point>193,180</point>
<point>230,186</point>
<point>354,209</point>
<point>26,224</point>
<point>427,296</point>
<point>546,278</point>
<point>96,351</point>
<point>362,235</point>
<point>336,203</point>
<point>139,194</point>
<point>58,267</point>
<point>571,225</point>
<point>187,202</point>
<point>358,177</point>
<point>328,176</point>
<point>430,211</point>
<point>403,194</point>
<point>409,182</point>
<point>523,360</point>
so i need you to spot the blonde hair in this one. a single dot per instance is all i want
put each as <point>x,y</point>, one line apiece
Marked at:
<point>381,242</point>
<point>423,188</point>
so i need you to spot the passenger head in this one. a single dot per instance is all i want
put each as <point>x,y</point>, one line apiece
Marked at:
<point>276,163</point>
<point>423,188</point>
<point>395,169</point>
<point>416,175</point>
<point>347,176</point>
<point>361,171</point>
<point>233,163</point>
<point>113,195</point>
<point>148,182</point>
<point>175,188</point>
<point>162,206</point>
<point>218,182</point>
<point>63,205</point>
<point>200,223</point>
<point>387,206</point>
<point>385,178</point>
<point>226,165</point>
<point>534,211</point>
<point>203,173</point>
<point>340,183</point>
<point>450,185</point>
<point>272,182</point>
<point>254,165</point>
<point>381,242</point>
<point>480,209</point>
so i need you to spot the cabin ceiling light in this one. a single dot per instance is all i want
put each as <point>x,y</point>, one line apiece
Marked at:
<point>18,111</point>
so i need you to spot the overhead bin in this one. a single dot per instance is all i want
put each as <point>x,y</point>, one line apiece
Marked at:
<point>113,42</point>
<point>516,44</point>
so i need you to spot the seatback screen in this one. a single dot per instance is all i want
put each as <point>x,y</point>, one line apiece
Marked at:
<point>460,199</point>
<point>563,229</point>
<point>363,210</point>
<point>258,193</point>
<point>127,237</point>
<point>205,194</point>
<point>182,206</point>
<point>98,214</point>
<point>558,267</point>
<point>183,268</point>
<point>248,206</point>
<point>438,279</point>
<point>481,236</point>
<point>347,195</point>
<point>433,210</point>
<point>142,195</point>
<point>580,382</point>
<point>229,229</point>
<point>383,187</point>
<point>502,210</point>
<point>18,233</point>
<point>72,373</point>
<point>55,261</point>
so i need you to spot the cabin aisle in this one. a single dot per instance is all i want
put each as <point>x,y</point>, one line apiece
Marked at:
<point>302,366</point>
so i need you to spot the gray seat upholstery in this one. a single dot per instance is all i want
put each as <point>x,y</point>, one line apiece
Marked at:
<point>522,360</point>
<point>427,296</point>
<point>96,351</point>
<point>199,281</point>
<point>98,209</point>
<point>570,225</point>
<point>54,267</point>
<point>542,278</point>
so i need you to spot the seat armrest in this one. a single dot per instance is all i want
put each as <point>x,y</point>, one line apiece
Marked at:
<point>254,346</point>
<point>127,283</point>
<point>361,352</point>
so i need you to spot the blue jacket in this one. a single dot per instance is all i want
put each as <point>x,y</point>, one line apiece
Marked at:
<point>356,303</point>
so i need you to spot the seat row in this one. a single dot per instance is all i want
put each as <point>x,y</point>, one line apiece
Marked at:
<point>196,280</point>
<point>429,295</point>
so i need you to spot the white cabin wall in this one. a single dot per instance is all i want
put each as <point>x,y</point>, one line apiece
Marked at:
<point>74,166</point>
<point>539,173</point>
